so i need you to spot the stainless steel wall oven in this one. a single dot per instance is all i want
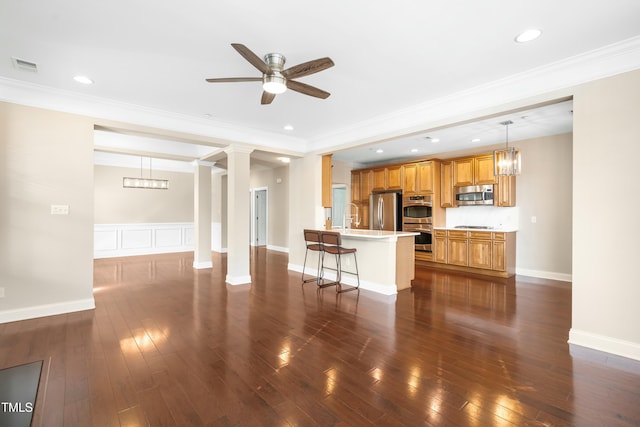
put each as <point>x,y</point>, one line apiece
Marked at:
<point>417,217</point>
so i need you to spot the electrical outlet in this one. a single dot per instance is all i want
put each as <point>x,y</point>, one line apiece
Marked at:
<point>59,209</point>
<point>534,220</point>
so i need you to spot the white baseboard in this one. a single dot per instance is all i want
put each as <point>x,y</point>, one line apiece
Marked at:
<point>278,248</point>
<point>611,345</point>
<point>201,265</point>
<point>563,277</point>
<point>238,280</point>
<point>46,310</point>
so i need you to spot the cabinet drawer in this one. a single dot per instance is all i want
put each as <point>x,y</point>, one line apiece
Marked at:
<point>499,236</point>
<point>458,234</point>
<point>440,233</point>
<point>484,235</point>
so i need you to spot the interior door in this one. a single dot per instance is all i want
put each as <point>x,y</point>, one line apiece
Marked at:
<point>261,217</point>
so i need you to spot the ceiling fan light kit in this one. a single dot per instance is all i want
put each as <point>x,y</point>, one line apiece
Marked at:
<point>275,79</point>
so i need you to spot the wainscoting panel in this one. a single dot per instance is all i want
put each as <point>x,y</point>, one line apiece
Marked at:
<point>115,240</point>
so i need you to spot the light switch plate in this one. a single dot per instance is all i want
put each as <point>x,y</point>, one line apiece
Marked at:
<point>59,209</point>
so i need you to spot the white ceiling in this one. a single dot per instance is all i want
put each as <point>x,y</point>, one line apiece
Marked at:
<point>394,62</point>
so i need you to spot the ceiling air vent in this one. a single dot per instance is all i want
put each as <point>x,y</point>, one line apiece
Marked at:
<point>23,65</point>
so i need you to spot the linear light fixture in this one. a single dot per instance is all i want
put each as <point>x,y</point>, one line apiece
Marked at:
<point>148,183</point>
<point>507,162</point>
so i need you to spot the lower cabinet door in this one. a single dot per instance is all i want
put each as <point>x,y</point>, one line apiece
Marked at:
<point>480,254</point>
<point>457,251</point>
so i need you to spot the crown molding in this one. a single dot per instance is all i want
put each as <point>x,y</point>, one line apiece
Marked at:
<point>552,81</point>
<point>39,96</point>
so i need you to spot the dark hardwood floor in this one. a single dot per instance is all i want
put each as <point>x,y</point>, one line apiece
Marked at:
<point>168,345</point>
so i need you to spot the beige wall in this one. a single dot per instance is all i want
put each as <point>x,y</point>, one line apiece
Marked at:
<point>117,205</point>
<point>278,203</point>
<point>46,261</point>
<point>543,191</point>
<point>606,150</point>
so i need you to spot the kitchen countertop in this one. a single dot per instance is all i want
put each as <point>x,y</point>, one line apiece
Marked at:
<point>498,229</point>
<point>374,234</point>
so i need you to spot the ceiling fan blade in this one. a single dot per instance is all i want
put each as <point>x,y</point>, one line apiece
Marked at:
<point>267,97</point>
<point>307,89</point>
<point>235,79</point>
<point>307,68</point>
<point>252,58</point>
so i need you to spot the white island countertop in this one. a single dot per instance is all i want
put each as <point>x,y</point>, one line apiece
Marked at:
<point>373,234</point>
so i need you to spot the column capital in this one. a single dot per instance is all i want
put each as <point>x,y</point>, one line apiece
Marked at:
<point>203,163</point>
<point>239,149</point>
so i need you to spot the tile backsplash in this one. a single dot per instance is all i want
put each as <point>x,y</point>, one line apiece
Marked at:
<point>483,215</point>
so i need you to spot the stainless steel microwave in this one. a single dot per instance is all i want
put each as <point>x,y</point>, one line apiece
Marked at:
<point>474,195</point>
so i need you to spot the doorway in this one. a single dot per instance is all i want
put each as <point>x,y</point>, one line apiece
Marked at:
<point>260,217</point>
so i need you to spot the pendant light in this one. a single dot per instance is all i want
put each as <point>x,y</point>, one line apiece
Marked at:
<point>148,183</point>
<point>507,162</point>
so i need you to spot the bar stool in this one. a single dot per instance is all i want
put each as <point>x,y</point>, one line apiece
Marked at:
<point>313,241</point>
<point>332,244</point>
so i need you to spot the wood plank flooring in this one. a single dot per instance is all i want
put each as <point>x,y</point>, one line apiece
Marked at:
<point>168,345</point>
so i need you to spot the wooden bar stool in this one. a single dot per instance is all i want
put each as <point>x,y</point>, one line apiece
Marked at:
<point>332,244</point>
<point>313,241</point>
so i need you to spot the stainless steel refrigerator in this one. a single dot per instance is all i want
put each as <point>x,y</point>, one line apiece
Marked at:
<point>385,211</point>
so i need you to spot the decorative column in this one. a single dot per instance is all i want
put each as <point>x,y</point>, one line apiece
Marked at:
<point>238,215</point>
<point>202,215</point>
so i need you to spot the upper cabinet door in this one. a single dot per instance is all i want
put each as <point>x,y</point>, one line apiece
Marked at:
<point>394,177</point>
<point>379,179</point>
<point>425,177</point>
<point>483,170</point>
<point>409,179</point>
<point>446,185</point>
<point>463,172</point>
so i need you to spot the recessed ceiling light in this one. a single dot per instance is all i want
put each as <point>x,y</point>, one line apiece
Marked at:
<point>288,127</point>
<point>528,35</point>
<point>83,79</point>
<point>434,140</point>
<point>379,150</point>
<point>284,159</point>
<point>414,150</point>
<point>475,140</point>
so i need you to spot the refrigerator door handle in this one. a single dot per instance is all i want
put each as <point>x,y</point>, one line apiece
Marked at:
<point>380,212</point>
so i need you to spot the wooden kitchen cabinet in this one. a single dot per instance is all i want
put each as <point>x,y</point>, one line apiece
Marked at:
<point>418,177</point>
<point>473,171</point>
<point>366,184</point>
<point>425,177</point>
<point>355,186</point>
<point>484,252</point>
<point>409,179</point>
<point>379,177</point>
<point>505,191</point>
<point>327,187</point>
<point>394,177</point>
<point>446,185</point>
<point>480,247</point>
<point>457,248</point>
<point>440,246</point>
<point>463,172</point>
<point>483,170</point>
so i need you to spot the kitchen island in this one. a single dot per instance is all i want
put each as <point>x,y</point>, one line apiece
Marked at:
<point>385,259</point>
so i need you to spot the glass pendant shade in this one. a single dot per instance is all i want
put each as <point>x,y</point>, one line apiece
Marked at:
<point>507,162</point>
<point>153,184</point>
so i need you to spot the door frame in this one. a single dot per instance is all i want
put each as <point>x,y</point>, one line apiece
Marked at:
<point>254,228</point>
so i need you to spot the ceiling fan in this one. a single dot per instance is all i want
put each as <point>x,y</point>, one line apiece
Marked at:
<point>275,79</point>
